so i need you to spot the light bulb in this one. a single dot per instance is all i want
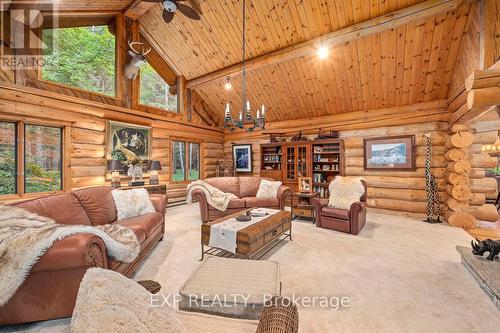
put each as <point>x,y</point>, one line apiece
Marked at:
<point>228,86</point>
<point>323,52</point>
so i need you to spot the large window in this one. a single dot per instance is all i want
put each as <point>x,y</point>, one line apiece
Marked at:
<point>7,158</point>
<point>38,161</point>
<point>186,161</point>
<point>155,91</point>
<point>82,57</point>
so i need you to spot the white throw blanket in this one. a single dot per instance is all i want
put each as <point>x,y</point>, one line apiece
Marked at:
<point>223,235</point>
<point>215,197</point>
<point>25,237</point>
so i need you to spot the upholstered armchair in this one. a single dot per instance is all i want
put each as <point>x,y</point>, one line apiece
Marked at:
<point>349,221</point>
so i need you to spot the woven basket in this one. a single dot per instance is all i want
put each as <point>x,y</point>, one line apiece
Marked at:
<point>279,316</point>
<point>152,286</point>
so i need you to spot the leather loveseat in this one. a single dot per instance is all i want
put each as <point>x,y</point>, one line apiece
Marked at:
<point>245,188</point>
<point>50,289</point>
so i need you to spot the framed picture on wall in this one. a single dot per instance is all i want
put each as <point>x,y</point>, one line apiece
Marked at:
<point>128,143</point>
<point>242,156</point>
<point>389,153</point>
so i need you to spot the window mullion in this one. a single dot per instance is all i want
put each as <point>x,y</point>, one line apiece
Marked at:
<point>20,139</point>
<point>186,169</point>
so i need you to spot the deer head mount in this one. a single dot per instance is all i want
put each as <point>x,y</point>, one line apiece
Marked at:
<point>138,59</point>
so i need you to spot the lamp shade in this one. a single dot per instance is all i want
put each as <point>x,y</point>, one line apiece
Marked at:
<point>115,165</point>
<point>154,166</point>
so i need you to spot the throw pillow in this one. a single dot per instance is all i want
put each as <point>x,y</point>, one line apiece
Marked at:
<point>132,203</point>
<point>268,189</point>
<point>344,191</point>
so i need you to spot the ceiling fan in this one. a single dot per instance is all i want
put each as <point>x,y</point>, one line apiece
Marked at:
<point>170,7</point>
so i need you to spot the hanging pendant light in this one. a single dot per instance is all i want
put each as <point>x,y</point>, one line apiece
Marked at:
<point>245,120</point>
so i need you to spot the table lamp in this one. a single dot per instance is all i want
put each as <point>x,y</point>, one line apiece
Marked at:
<point>154,167</point>
<point>115,166</point>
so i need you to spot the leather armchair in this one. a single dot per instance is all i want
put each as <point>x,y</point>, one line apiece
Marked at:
<point>349,221</point>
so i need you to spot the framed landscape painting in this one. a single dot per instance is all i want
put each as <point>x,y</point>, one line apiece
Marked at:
<point>242,155</point>
<point>389,153</point>
<point>130,144</point>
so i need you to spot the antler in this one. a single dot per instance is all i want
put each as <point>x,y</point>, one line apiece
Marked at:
<point>131,45</point>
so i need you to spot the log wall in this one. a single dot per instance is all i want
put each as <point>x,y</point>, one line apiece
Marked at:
<point>401,191</point>
<point>87,121</point>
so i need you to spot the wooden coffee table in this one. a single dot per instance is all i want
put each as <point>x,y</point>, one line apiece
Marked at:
<point>254,238</point>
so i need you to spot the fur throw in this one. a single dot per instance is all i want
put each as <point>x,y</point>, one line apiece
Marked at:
<point>25,237</point>
<point>344,191</point>
<point>109,302</point>
<point>215,197</point>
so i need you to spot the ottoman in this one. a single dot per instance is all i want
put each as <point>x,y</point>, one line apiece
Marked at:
<point>231,287</point>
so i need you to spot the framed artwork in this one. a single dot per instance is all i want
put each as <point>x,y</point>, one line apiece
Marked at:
<point>242,155</point>
<point>130,144</point>
<point>305,184</point>
<point>389,153</point>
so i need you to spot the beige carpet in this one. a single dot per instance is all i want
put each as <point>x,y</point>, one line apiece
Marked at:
<point>402,275</point>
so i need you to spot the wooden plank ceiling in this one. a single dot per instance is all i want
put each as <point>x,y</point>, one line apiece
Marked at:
<point>69,5</point>
<point>409,64</point>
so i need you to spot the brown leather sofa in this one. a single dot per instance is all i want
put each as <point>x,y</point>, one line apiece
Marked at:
<point>50,290</point>
<point>245,188</point>
<point>349,221</point>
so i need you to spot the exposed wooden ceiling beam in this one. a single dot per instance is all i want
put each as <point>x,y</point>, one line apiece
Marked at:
<point>401,115</point>
<point>138,8</point>
<point>355,31</point>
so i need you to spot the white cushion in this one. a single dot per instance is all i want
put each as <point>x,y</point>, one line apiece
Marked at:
<point>132,203</point>
<point>268,189</point>
<point>344,191</point>
<point>217,278</point>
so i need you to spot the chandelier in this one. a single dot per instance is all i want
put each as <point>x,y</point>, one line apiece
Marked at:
<point>246,120</point>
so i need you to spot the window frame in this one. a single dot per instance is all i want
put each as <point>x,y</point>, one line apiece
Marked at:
<point>20,160</point>
<point>156,108</point>
<point>186,159</point>
<point>119,58</point>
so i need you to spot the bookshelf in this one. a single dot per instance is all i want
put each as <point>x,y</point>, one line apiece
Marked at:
<point>327,162</point>
<point>321,159</point>
<point>271,161</point>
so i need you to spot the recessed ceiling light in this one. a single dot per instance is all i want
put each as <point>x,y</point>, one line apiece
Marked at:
<point>323,52</point>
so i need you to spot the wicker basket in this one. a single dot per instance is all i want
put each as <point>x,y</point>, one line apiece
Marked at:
<point>279,316</point>
<point>152,286</point>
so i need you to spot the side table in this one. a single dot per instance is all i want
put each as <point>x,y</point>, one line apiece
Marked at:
<point>302,206</point>
<point>152,189</point>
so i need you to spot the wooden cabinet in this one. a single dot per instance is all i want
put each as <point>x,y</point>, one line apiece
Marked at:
<point>297,161</point>
<point>321,159</point>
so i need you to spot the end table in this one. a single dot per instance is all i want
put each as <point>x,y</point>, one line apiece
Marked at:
<point>302,206</point>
